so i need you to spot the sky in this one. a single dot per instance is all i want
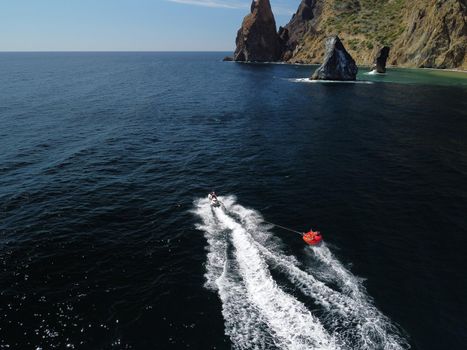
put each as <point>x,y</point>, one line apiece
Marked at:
<point>127,25</point>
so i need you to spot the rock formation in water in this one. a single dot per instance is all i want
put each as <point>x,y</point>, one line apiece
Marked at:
<point>257,39</point>
<point>380,60</point>
<point>227,59</point>
<point>338,64</point>
<point>421,33</point>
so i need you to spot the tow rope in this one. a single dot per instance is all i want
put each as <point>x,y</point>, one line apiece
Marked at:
<point>284,228</point>
<point>311,237</point>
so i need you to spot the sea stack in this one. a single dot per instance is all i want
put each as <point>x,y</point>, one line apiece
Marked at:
<point>338,64</point>
<point>257,39</point>
<point>380,60</point>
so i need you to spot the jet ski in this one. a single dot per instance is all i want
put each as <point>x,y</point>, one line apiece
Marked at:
<point>215,202</point>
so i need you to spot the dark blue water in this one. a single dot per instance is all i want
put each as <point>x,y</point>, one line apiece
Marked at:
<point>103,155</point>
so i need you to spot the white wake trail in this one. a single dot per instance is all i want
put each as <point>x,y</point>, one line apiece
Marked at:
<point>349,313</point>
<point>243,323</point>
<point>336,272</point>
<point>257,311</point>
<point>292,324</point>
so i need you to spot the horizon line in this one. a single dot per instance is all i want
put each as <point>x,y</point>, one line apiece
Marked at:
<point>123,51</point>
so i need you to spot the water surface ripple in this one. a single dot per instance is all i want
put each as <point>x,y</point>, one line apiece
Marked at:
<point>104,157</point>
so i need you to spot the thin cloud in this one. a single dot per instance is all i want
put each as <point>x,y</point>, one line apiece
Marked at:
<point>211,3</point>
<point>279,10</point>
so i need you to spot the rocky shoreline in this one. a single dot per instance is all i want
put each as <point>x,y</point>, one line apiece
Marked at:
<point>302,40</point>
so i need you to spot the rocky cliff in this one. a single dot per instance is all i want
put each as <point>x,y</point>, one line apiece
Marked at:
<point>257,39</point>
<point>435,35</point>
<point>421,33</point>
<point>299,26</point>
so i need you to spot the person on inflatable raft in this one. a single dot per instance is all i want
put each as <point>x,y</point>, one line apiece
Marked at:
<point>312,237</point>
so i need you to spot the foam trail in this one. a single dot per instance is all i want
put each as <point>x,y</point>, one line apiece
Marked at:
<point>216,247</point>
<point>243,323</point>
<point>312,81</point>
<point>347,317</point>
<point>288,323</point>
<point>353,321</point>
<point>349,283</point>
<point>349,313</point>
<point>293,326</point>
<point>374,72</point>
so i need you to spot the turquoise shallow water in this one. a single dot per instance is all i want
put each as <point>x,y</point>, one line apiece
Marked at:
<point>106,241</point>
<point>417,76</point>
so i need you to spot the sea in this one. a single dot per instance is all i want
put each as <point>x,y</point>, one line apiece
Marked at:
<point>108,240</point>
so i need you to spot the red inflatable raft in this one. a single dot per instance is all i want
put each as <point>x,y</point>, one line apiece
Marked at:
<point>312,237</point>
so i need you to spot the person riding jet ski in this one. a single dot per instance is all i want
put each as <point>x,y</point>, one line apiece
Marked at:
<point>213,198</point>
<point>212,195</point>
